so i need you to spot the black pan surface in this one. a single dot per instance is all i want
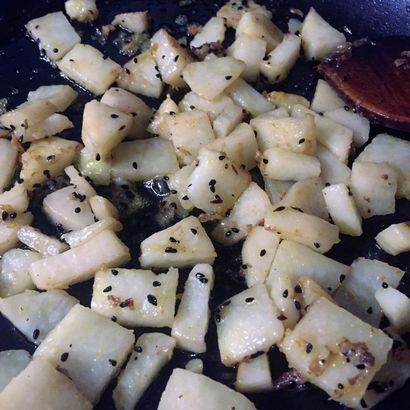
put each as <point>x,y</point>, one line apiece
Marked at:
<point>21,70</point>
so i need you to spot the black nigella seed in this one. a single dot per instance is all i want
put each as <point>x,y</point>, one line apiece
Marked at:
<point>342,278</point>
<point>55,50</point>
<point>107,289</point>
<point>340,386</point>
<point>176,58</point>
<point>135,165</point>
<point>221,157</point>
<point>235,230</point>
<point>317,245</point>
<point>121,128</point>
<point>228,77</point>
<point>192,107</point>
<point>217,200</point>
<point>301,141</point>
<point>4,215</point>
<point>363,403</point>
<point>298,289</point>
<point>114,116</point>
<point>156,283</point>
<point>285,293</point>
<point>185,198</point>
<point>385,285</point>
<point>281,208</point>
<point>194,231</point>
<point>249,300</point>
<point>114,318</point>
<point>309,348</point>
<point>12,215</point>
<point>262,252</point>
<point>138,349</point>
<point>265,161</point>
<point>36,334</point>
<point>360,366</point>
<point>98,157</point>
<point>112,362</point>
<point>228,234</point>
<point>369,310</point>
<point>172,239</point>
<point>282,317</point>
<point>169,249</point>
<point>46,172</point>
<point>64,357</point>
<point>297,305</point>
<point>152,299</point>
<point>77,210</point>
<point>114,272</point>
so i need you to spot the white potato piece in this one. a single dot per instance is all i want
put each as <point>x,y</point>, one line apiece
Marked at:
<point>83,11</point>
<point>320,343</point>
<point>247,324</point>
<point>14,200</point>
<point>143,159</point>
<point>184,244</point>
<point>102,208</point>
<point>8,161</point>
<point>277,163</point>
<point>258,253</point>
<point>130,104</point>
<point>307,292</point>
<point>12,362</point>
<point>250,50</point>
<point>307,196</point>
<point>80,183</point>
<point>41,386</point>
<point>81,263</point>
<point>213,108</point>
<point>158,124</point>
<point>99,172</point>
<point>287,100</point>
<point>171,67</point>
<point>319,38</point>
<point>56,124</point>
<point>191,321</point>
<point>151,353</point>
<point>9,229</point>
<point>55,35</point>
<point>195,366</point>
<point>248,98</point>
<point>325,98</point>
<point>333,171</point>
<point>374,186</point>
<point>45,157</point>
<point>178,186</point>
<point>258,25</point>
<point>88,348</point>
<point>254,376</point>
<point>281,60</point>
<point>212,32</point>
<point>211,77</point>
<point>342,208</point>
<point>356,294</point>
<point>103,128</point>
<point>216,183</point>
<point>136,297</point>
<point>140,76</point>
<point>136,22</point>
<point>276,189</point>
<point>35,314</point>
<point>227,120</point>
<point>298,261</point>
<point>395,238</point>
<point>248,211</point>
<point>291,134</point>
<point>396,306</point>
<point>67,208</point>
<point>61,96</point>
<point>186,390</point>
<point>40,242</point>
<point>396,153</point>
<point>189,132</point>
<point>88,67</point>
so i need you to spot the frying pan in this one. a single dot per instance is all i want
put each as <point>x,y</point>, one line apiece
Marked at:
<point>21,70</point>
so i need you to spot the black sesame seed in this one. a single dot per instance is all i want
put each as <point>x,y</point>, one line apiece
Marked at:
<point>285,293</point>
<point>249,300</point>
<point>340,386</point>
<point>342,278</point>
<point>121,128</point>
<point>135,165</point>
<point>176,58</point>
<point>114,272</point>
<point>228,77</point>
<point>36,334</point>
<point>281,208</point>
<point>77,210</point>
<point>64,357</point>
<point>185,198</point>
<point>282,317</point>
<point>152,299</point>
<point>360,366</point>
<point>156,283</point>
<point>385,285</point>
<point>369,310</point>
<point>192,107</point>
<point>114,318</point>
<point>262,252</point>
<point>4,215</point>
<point>317,245</point>
<point>217,200</point>
<point>169,249</point>
<point>221,157</point>
<point>112,362</point>
<point>309,348</point>
<point>98,157</point>
<point>138,349</point>
<point>194,231</point>
<point>127,71</point>
<point>297,305</point>
<point>107,289</point>
<point>55,50</point>
<point>298,289</point>
<point>172,239</point>
<point>301,141</point>
<point>265,161</point>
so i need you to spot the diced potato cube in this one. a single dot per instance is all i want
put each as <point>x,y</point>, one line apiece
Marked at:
<point>277,163</point>
<point>136,22</point>
<point>356,294</point>
<point>213,108</point>
<point>319,38</point>
<point>248,211</point>
<point>102,208</point>
<point>292,134</point>
<point>247,324</point>
<point>14,271</point>
<point>248,98</point>
<point>276,189</point>
<point>8,161</point>
<point>12,362</point>
<point>216,183</point>
<point>320,343</point>
<point>143,159</point>
<point>56,36</point>
<point>56,124</point>
<point>40,242</point>
<point>281,60</point>
<point>88,67</point>
<point>186,390</point>
<point>61,96</point>
<point>195,366</point>
<point>140,76</point>
<point>191,321</point>
<point>258,25</point>
<point>88,348</point>
<point>189,132</point>
<point>151,353</point>
<point>309,292</point>
<point>342,209</point>
<point>374,186</point>
<point>80,183</point>
<point>258,253</point>
<point>80,263</point>
<point>47,157</point>
<point>130,104</point>
<point>307,196</point>
<point>211,77</point>
<point>288,101</point>
<point>250,50</point>
<point>212,32</point>
<point>99,172</point>
<point>41,386</point>
<point>184,244</point>
<point>14,200</point>
<point>254,376</point>
<point>333,171</point>
<point>176,58</point>
<point>35,314</point>
<point>9,229</point>
<point>395,152</point>
<point>136,297</point>
<point>227,120</point>
<point>395,239</point>
<point>325,98</point>
<point>158,124</point>
<point>240,146</point>
<point>82,10</point>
